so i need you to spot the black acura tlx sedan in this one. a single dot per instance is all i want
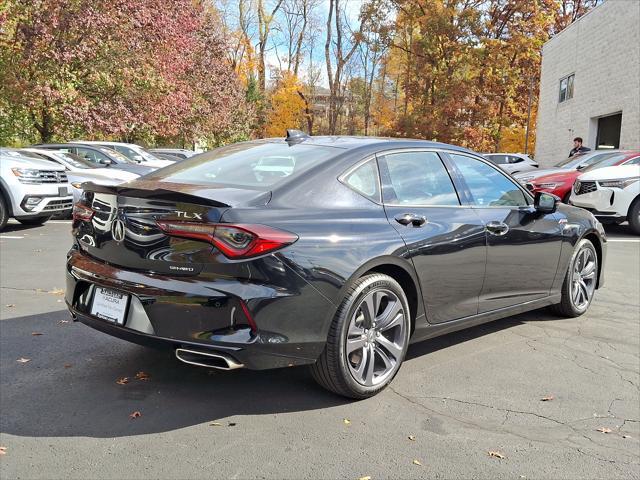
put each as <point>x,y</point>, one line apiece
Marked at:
<point>331,251</point>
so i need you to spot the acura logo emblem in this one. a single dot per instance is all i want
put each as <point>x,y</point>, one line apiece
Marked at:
<point>117,230</point>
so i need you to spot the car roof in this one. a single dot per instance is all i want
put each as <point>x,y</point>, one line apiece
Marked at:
<point>346,142</point>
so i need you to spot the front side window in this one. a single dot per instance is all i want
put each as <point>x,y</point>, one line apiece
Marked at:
<point>488,187</point>
<point>93,156</point>
<point>566,88</point>
<point>417,178</point>
<point>364,180</point>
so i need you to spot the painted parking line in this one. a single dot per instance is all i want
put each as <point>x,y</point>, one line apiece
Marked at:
<point>624,240</point>
<point>10,237</point>
<point>59,221</point>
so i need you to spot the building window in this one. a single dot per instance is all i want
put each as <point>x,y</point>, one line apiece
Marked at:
<point>566,88</point>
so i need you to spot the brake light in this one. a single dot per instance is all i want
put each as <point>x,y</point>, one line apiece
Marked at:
<point>234,241</point>
<point>82,212</point>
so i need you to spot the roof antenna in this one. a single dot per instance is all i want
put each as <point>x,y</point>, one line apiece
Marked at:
<point>295,136</point>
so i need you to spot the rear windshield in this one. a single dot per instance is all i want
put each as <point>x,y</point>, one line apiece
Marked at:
<point>252,165</point>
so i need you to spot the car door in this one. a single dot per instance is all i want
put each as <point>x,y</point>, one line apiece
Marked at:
<point>523,245</point>
<point>445,240</point>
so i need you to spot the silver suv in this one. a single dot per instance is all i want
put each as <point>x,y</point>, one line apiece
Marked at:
<point>31,190</point>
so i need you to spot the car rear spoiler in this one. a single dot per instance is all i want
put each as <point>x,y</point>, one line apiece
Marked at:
<point>184,193</point>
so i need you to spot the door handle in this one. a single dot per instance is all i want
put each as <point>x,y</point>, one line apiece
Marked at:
<point>497,228</point>
<point>411,219</point>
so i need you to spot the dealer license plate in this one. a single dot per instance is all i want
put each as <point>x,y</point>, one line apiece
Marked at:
<point>109,305</point>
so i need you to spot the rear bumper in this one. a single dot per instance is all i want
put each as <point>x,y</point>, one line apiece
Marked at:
<point>203,314</point>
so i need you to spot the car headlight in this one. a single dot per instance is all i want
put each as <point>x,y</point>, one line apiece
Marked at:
<point>550,185</point>
<point>27,175</point>
<point>618,183</point>
<point>525,179</point>
<point>76,185</point>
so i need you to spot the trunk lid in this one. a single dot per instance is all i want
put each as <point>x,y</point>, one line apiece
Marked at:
<point>123,230</point>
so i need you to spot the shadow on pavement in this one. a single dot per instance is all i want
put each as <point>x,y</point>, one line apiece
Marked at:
<point>68,387</point>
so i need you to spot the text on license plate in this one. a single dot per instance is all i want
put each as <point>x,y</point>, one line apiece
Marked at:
<point>109,305</point>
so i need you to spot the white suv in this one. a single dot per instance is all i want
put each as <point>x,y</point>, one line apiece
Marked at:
<point>31,190</point>
<point>612,194</point>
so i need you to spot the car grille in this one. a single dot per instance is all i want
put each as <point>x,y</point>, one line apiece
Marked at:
<point>45,176</point>
<point>58,205</point>
<point>581,188</point>
<point>51,176</point>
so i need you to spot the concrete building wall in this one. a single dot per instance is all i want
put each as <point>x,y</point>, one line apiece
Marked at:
<point>602,49</point>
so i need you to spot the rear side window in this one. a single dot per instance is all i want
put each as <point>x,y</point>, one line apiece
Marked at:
<point>250,165</point>
<point>488,186</point>
<point>364,180</point>
<point>416,178</point>
<point>497,159</point>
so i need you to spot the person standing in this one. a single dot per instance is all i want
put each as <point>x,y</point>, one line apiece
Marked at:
<point>578,147</point>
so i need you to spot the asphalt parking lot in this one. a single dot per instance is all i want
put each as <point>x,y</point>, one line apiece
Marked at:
<point>456,399</point>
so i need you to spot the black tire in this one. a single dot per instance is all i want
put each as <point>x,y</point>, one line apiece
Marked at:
<point>633,217</point>
<point>34,220</point>
<point>567,306</point>
<point>332,370</point>
<point>566,198</point>
<point>4,213</point>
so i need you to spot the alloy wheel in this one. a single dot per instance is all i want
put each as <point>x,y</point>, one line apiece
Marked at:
<point>376,337</point>
<point>583,279</point>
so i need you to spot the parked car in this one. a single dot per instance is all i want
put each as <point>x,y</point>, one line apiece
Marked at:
<point>180,153</point>
<point>133,152</point>
<point>577,162</point>
<point>80,170</point>
<point>364,246</point>
<point>561,183</point>
<point>512,162</point>
<point>100,156</point>
<point>31,190</point>
<point>612,194</point>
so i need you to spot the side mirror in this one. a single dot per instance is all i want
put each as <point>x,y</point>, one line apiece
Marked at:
<point>582,166</point>
<point>138,158</point>
<point>545,202</point>
<point>106,161</point>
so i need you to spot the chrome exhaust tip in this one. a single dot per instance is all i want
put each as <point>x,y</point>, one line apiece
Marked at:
<point>199,358</point>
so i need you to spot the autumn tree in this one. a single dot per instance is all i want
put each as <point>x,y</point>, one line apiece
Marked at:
<point>287,107</point>
<point>148,69</point>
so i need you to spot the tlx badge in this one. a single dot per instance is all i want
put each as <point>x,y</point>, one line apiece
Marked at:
<point>193,216</point>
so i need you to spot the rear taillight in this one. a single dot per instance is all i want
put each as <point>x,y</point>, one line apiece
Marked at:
<point>234,241</point>
<point>82,212</point>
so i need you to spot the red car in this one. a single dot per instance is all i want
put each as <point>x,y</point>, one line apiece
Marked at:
<point>560,183</point>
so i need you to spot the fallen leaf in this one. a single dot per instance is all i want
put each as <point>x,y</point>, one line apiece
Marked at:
<point>142,376</point>
<point>346,421</point>
<point>63,321</point>
<point>35,334</point>
<point>417,462</point>
<point>412,438</point>
<point>215,424</point>
<point>122,380</point>
<point>367,477</point>
<point>495,454</point>
<point>67,365</point>
<point>604,430</point>
<point>135,414</point>
<point>10,305</point>
<point>626,436</point>
<point>23,360</point>
<point>232,424</point>
<point>56,291</point>
<point>548,398</point>
<point>3,450</point>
